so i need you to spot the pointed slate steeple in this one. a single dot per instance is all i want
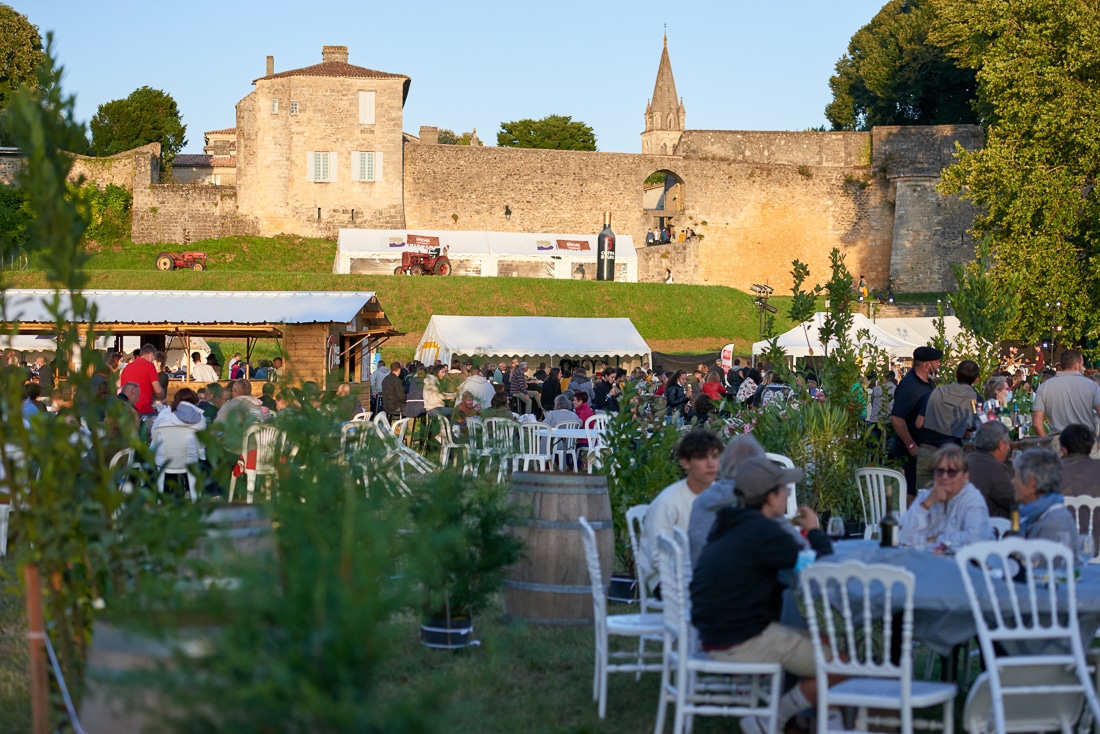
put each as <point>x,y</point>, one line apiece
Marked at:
<point>664,114</point>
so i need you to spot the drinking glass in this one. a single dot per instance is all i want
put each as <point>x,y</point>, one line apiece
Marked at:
<point>836,529</point>
<point>1086,549</point>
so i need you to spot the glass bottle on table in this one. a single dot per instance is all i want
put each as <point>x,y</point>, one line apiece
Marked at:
<point>889,529</point>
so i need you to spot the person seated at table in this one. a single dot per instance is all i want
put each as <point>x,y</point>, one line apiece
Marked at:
<point>434,401</point>
<point>698,454</point>
<point>414,400</point>
<point>466,408</point>
<point>736,593</point>
<point>1043,514</point>
<point>393,392</point>
<point>476,384</point>
<point>562,411</point>
<point>215,399</point>
<point>720,493</point>
<point>517,387</point>
<point>498,408</point>
<point>1080,474</point>
<point>551,389</point>
<point>988,470</point>
<point>950,513</point>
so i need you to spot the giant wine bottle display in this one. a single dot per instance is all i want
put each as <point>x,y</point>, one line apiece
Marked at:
<point>605,251</point>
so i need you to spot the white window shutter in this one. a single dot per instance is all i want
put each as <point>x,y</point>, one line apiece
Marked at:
<point>366,108</point>
<point>333,157</point>
<point>378,166</point>
<point>309,167</point>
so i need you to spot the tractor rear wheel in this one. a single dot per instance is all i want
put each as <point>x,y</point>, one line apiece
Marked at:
<point>198,266</point>
<point>442,266</point>
<point>416,270</point>
<point>399,270</point>
<point>165,262</point>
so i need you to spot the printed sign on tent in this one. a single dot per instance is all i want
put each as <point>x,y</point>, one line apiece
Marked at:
<point>575,245</point>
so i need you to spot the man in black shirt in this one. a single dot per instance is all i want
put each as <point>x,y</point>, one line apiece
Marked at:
<point>909,398</point>
<point>736,594</point>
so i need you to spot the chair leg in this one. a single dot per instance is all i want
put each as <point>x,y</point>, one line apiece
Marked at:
<point>232,485</point>
<point>949,717</point>
<point>662,698</point>
<point>250,476</point>
<point>193,486</point>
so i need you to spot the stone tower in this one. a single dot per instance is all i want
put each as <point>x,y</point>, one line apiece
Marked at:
<point>664,114</point>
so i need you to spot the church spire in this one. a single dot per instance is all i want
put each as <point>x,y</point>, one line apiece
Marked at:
<point>664,114</point>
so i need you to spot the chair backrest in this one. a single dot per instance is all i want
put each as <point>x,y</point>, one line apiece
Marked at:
<point>674,590</point>
<point>361,417</point>
<point>792,496</point>
<point>119,469</point>
<point>380,418</point>
<point>399,428</point>
<point>592,558</point>
<point>558,443</point>
<point>446,433</point>
<point>532,437</point>
<point>268,441</point>
<point>872,482</point>
<point>1084,511</point>
<point>595,426</point>
<point>635,520</point>
<point>500,435</point>
<point>1001,525</point>
<point>173,442</point>
<point>475,433</point>
<point>859,643</point>
<point>1034,584</point>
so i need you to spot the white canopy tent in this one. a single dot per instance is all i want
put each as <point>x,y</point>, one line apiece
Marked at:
<point>486,254</point>
<point>920,330</point>
<point>531,337</point>
<point>804,340</point>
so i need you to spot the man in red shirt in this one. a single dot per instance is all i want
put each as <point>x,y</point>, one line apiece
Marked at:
<point>143,373</point>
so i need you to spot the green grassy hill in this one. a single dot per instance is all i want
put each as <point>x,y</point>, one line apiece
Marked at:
<point>672,318</point>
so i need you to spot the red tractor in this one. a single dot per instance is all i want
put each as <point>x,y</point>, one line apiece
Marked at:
<point>181,260</point>
<point>432,262</point>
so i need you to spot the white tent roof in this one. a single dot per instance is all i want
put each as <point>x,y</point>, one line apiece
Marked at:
<point>794,342</point>
<point>356,243</point>
<point>920,330</point>
<point>520,336</point>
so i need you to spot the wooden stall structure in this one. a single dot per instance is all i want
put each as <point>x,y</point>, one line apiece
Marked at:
<point>324,337</point>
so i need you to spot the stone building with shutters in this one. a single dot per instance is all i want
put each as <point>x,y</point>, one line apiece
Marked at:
<point>320,148</point>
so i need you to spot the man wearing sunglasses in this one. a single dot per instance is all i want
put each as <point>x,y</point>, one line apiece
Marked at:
<point>952,513</point>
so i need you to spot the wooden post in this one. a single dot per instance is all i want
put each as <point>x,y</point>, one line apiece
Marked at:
<point>36,631</point>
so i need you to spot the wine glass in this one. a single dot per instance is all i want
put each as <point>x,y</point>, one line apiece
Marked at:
<point>835,529</point>
<point>1086,549</point>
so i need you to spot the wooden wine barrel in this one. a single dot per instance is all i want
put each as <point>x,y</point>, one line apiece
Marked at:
<point>550,584</point>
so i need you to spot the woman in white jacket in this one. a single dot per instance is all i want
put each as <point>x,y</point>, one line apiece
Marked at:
<point>183,413</point>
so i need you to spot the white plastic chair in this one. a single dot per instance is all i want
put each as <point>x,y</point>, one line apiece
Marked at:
<point>121,464</point>
<point>176,442</point>
<point>534,447</point>
<point>872,482</point>
<point>792,497</point>
<point>381,419</point>
<point>1052,712</point>
<point>362,417</point>
<point>635,522</point>
<point>1083,509</point>
<point>873,681</point>
<point>267,441</point>
<point>498,444</point>
<point>562,448</point>
<point>683,664</point>
<point>448,445</point>
<point>11,482</point>
<point>594,427</point>
<point>1001,525</point>
<point>623,625</point>
<point>1039,610</point>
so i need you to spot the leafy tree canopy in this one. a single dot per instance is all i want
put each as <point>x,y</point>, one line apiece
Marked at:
<point>1038,62</point>
<point>449,137</point>
<point>20,56</point>
<point>556,132</point>
<point>893,75</point>
<point>146,116</point>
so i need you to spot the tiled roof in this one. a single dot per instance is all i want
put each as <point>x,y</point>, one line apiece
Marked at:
<point>226,131</point>
<point>224,161</point>
<point>192,159</point>
<point>336,69</point>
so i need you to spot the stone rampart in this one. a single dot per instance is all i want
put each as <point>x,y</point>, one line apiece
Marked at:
<point>786,148</point>
<point>130,169</point>
<point>183,213</point>
<point>903,151</point>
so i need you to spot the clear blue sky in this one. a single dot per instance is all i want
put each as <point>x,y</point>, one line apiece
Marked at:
<point>738,65</point>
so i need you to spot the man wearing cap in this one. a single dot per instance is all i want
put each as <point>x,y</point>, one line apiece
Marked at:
<point>736,594</point>
<point>909,399</point>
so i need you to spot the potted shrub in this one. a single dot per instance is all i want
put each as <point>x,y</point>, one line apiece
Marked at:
<point>460,548</point>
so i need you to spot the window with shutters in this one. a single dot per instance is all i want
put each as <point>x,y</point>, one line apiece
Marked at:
<point>363,165</point>
<point>366,108</point>
<point>274,106</point>
<point>319,170</point>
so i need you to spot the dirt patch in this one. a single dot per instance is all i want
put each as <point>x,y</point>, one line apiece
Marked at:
<point>687,346</point>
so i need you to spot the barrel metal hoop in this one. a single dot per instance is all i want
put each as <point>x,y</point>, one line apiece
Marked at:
<point>549,588</point>
<point>566,524</point>
<point>555,622</point>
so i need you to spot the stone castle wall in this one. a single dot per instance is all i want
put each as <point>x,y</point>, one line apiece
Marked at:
<point>130,169</point>
<point>183,213</point>
<point>786,148</point>
<point>754,219</point>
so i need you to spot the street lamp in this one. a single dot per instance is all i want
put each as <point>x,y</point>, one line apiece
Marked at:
<point>762,292</point>
<point>1054,308</point>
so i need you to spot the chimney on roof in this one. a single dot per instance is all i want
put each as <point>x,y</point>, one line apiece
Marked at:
<point>338,54</point>
<point>429,135</point>
<point>270,65</point>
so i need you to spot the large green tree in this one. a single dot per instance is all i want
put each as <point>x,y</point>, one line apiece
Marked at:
<point>893,75</point>
<point>556,132</point>
<point>1035,178</point>
<point>20,56</point>
<point>146,116</point>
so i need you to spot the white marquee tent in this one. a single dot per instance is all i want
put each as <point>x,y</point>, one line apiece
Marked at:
<point>920,330</point>
<point>799,341</point>
<point>531,337</point>
<point>523,254</point>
